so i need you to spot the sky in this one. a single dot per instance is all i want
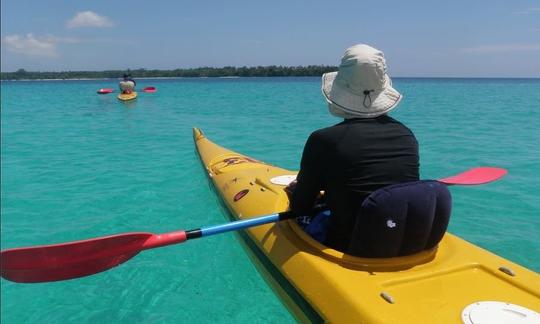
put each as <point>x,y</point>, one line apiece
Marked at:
<point>458,38</point>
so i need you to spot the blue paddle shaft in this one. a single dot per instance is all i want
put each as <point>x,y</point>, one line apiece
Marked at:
<point>240,224</point>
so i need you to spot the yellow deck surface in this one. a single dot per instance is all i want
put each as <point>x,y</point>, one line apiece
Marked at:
<point>127,96</point>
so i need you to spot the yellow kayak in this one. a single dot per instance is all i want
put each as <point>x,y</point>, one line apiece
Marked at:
<point>127,96</point>
<point>456,282</point>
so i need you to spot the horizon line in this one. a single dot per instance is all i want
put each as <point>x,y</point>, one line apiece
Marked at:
<point>269,77</point>
<point>325,68</point>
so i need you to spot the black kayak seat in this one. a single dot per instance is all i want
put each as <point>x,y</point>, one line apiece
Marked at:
<point>401,219</point>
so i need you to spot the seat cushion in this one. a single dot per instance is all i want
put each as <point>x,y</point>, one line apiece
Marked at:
<point>401,219</point>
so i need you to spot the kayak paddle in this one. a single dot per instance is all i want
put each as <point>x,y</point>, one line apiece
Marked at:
<point>83,258</point>
<point>149,89</point>
<point>105,91</point>
<point>475,176</point>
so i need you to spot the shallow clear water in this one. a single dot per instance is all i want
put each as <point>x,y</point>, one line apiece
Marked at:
<point>78,165</point>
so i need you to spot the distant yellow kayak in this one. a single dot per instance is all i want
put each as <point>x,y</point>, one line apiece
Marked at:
<point>127,96</point>
<point>456,282</point>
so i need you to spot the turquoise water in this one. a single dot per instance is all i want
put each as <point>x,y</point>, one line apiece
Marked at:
<point>78,165</point>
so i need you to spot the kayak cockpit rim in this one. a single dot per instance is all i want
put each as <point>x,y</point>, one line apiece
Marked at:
<point>359,263</point>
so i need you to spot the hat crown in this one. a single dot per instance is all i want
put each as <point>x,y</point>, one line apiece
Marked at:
<point>361,88</point>
<point>362,68</point>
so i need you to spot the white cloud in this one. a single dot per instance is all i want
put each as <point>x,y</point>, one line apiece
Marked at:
<point>89,19</point>
<point>31,46</point>
<point>528,11</point>
<point>55,39</point>
<point>500,48</point>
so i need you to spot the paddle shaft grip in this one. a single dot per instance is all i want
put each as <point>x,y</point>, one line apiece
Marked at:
<point>245,223</point>
<point>237,225</point>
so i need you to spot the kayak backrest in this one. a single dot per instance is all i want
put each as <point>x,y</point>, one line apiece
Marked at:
<point>401,219</point>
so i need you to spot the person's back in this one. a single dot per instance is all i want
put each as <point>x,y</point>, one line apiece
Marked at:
<point>355,158</point>
<point>127,85</point>
<point>365,152</point>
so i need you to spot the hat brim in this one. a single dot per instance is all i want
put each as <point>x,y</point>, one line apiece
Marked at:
<point>346,104</point>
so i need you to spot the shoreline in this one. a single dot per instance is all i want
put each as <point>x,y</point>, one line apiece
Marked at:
<point>267,77</point>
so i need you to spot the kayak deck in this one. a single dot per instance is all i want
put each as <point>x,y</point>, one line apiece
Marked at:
<point>127,96</point>
<point>321,284</point>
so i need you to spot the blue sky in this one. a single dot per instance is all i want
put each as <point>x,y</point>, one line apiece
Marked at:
<point>419,38</point>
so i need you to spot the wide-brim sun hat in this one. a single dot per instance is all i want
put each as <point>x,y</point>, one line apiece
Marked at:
<point>361,88</point>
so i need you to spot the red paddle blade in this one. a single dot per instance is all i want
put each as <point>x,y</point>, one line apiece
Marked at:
<point>70,260</point>
<point>475,176</point>
<point>149,89</point>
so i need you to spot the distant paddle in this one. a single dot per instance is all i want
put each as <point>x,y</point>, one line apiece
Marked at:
<point>149,89</point>
<point>83,258</point>
<point>105,91</point>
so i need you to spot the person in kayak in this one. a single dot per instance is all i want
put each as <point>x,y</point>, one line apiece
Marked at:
<point>368,150</point>
<point>127,85</point>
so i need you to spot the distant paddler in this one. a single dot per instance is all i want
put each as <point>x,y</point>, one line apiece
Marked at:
<point>127,85</point>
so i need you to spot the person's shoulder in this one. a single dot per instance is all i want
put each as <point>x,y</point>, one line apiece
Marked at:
<point>327,136</point>
<point>399,124</point>
<point>317,135</point>
<point>326,132</point>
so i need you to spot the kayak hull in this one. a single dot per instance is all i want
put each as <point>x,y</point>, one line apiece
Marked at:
<point>127,96</point>
<point>319,284</point>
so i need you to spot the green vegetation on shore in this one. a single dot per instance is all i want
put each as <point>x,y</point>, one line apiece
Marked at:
<point>227,71</point>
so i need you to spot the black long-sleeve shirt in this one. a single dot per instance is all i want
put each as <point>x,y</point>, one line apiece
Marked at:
<point>349,161</point>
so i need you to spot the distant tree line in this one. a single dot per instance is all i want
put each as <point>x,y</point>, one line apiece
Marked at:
<point>227,71</point>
